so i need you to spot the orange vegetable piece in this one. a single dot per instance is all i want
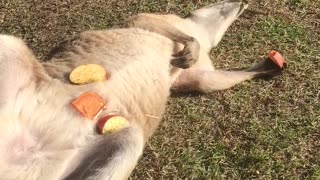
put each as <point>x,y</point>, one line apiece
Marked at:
<point>89,104</point>
<point>277,58</point>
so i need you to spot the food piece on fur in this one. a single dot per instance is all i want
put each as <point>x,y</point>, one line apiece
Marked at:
<point>277,59</point>
<point>89,104</point>
<point>111,124</point>
<point>88,73</point>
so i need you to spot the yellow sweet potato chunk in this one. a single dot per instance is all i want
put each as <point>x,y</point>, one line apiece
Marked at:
<point>111,124</point>
<point>88,73</point>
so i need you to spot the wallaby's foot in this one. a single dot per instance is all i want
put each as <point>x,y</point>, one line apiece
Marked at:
<point>188,56</point>
<point>266,68</point>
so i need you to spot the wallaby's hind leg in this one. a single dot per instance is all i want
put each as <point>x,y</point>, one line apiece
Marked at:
<point>110,157</point>
<point>203,80</point>
<point>208,81</point>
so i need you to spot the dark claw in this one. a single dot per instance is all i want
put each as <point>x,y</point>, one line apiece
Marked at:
<point>184,52</point>
<point>182,62</point>
<point>188,56</point>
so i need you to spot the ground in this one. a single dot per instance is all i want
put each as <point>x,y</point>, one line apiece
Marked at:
<point>262,129</point>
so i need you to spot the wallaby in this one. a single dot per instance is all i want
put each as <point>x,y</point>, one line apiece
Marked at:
<point>43,137</point>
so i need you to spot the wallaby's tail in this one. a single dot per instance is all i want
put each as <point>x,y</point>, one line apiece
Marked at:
<point>113,157</point>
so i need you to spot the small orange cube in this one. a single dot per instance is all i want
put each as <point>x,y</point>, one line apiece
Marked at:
<point>89,104</point>
<point>277,59</point>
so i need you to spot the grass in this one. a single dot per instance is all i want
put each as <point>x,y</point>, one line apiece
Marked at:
<point>256,130</point>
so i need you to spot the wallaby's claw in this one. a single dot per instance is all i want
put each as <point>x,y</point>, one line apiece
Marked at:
<point>188,56</point>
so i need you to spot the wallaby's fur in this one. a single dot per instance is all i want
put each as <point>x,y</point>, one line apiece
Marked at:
<point>43,137</point>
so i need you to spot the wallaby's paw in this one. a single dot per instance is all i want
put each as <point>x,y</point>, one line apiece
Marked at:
<point>188,56</point>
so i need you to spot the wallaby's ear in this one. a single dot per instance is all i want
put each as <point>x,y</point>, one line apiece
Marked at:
<point>217,17</point>
<point>17,64</point>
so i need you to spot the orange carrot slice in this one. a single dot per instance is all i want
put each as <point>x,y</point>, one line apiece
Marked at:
<point>277,58</point>
<point>89,104</point>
